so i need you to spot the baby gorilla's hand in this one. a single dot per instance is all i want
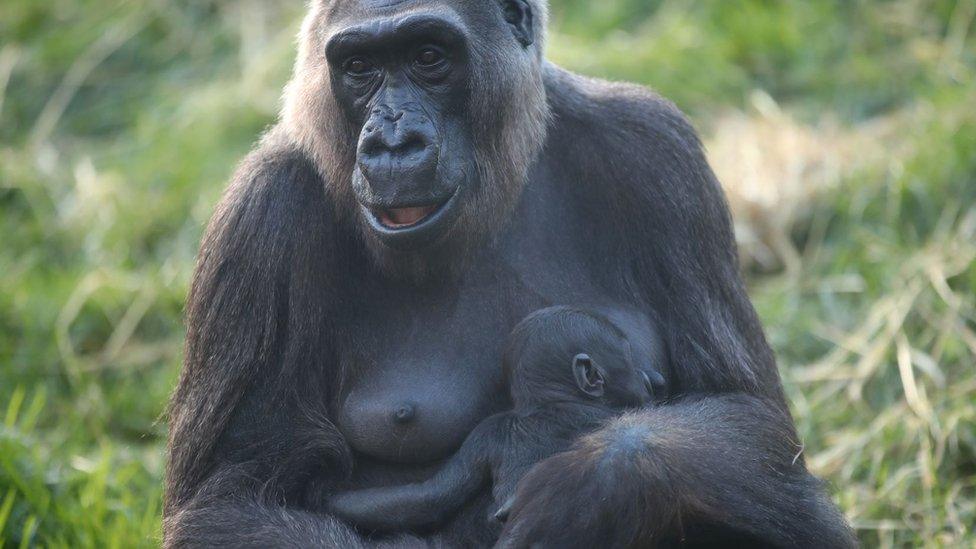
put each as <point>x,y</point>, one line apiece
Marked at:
<point>391,509</point>
<point>353,507</point>
<point>505,509</point>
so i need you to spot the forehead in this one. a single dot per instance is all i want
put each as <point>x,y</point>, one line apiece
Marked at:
<point>380,4</point>
<point>577,331</point>
<point>340,14</point>
<point>353,11</point>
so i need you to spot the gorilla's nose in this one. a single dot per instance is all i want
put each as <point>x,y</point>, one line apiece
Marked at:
<point>396,148</point>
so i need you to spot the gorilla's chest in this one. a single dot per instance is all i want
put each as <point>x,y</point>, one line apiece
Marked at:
<point>422,368</point>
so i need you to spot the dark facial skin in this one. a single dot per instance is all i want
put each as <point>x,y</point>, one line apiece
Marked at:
<point>569,370</point>
<point>402,81</point>
<point>431,182</point>
<point>420,146</point>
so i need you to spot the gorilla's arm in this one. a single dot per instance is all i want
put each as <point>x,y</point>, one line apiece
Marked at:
<point>720,469</point>
<point>228,511</point>
<point>730,456</point>
<point>247,424</point>
<point>427,504</point>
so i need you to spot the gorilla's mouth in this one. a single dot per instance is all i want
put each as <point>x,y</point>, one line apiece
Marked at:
<point>414,225</point>
<point>402,218</point>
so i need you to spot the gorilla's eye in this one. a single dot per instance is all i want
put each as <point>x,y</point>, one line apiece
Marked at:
<point>357,66</point>
<point>429,56</point>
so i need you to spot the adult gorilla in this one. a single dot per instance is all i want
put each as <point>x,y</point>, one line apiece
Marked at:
<point>432,181</point>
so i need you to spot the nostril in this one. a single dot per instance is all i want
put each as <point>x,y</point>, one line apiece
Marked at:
<point>371,146</point>
<point>411,147</point>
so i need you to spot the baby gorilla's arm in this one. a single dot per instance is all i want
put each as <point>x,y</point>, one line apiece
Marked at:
<point>426,504</point>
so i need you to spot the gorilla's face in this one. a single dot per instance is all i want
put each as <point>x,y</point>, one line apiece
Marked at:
<point>403,82</point>
<point>423,117</point>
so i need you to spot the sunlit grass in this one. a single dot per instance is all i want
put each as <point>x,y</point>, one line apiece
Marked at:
<point>844,132</point>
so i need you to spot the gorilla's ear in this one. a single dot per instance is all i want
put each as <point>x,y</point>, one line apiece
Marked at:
<point>589,376</point>
<point>518,14</point>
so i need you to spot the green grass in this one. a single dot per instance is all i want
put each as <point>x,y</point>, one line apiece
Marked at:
<point>120,121</point>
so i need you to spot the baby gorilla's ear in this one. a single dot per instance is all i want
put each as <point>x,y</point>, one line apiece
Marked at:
<point>589,376</point>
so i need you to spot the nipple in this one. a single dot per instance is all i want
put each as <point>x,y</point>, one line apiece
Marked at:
<point>404,413</point>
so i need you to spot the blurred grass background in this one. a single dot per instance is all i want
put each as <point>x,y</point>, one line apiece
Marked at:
<point>844,131</point>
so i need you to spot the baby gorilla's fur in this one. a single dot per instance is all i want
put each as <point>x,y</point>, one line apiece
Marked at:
<point>569,370</point>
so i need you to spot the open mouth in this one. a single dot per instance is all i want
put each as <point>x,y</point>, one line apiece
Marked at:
<point>410,227</point>
<point>409,218</point>
<point>403,218</point>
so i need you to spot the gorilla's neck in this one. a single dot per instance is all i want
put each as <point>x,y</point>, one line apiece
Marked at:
<point>445,262</point>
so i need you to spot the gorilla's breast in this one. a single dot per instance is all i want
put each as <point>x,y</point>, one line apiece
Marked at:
<point>421,369</point>
<point>415,419</point>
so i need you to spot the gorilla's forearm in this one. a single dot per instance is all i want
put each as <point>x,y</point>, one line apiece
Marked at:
<point>737,464</point>
<point>231,509</point>
<point>719,468</point>
<point>250,523</point>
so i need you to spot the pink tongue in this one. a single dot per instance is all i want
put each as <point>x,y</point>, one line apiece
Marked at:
<point>401,217</point>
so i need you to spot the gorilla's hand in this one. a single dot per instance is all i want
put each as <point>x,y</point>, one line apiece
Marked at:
<point>600,493</point>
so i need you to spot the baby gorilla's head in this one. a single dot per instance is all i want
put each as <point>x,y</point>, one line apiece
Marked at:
<point>572,354</point>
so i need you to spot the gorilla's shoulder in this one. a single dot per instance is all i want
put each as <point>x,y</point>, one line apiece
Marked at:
<point>619,126</point>
<point>275,195</point>
<point>275,163</point>
<point>274,182</point>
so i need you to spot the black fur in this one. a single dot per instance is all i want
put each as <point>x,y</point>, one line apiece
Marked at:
<point>705,496</point>
<point>309,328</point>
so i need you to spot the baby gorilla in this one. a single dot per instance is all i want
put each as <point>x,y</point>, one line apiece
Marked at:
<point>569,370</point>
